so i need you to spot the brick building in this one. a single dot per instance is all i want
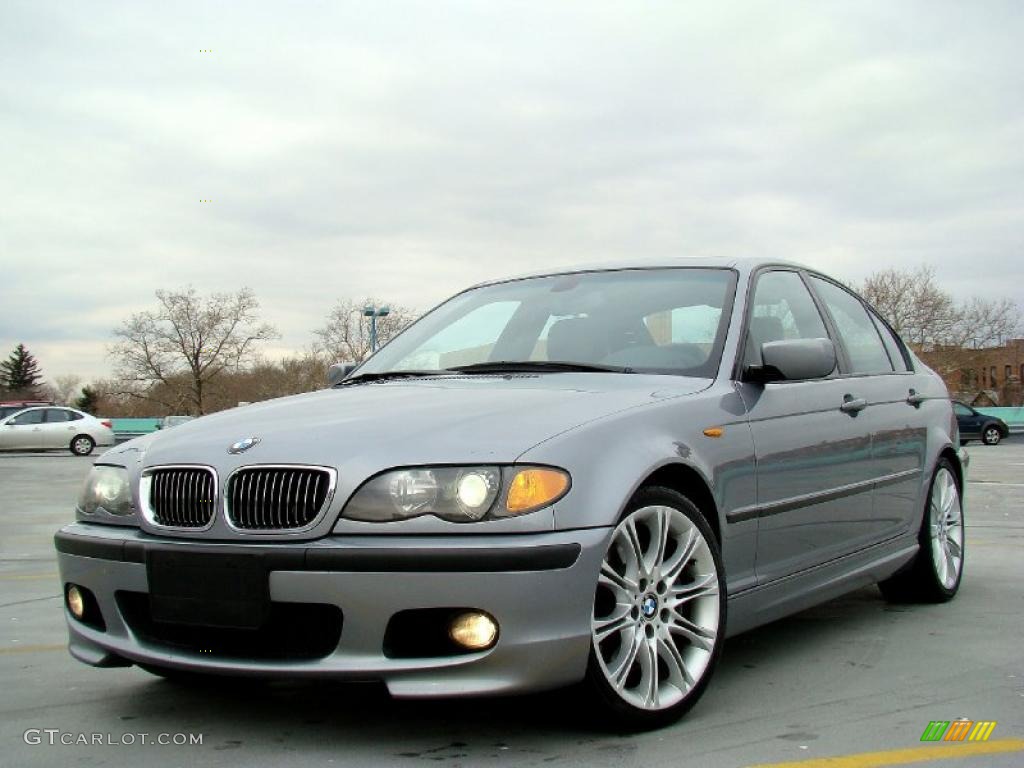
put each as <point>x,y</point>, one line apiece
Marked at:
<point>991,376</point>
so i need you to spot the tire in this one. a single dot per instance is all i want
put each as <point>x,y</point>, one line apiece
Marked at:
<point>991,435</point>
<point>82,445</point>
<point>661,590</point>
<point>937,569</point>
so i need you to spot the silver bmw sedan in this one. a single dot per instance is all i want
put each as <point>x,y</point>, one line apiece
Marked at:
<point>579,477</point>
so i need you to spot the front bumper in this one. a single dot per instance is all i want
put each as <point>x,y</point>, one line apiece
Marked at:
<point>539,588</point>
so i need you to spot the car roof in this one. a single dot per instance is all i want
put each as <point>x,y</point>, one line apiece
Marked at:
<point>46,407</point>
<point>740,264</point>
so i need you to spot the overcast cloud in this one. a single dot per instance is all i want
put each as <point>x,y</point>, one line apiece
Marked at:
<point>406,150</point>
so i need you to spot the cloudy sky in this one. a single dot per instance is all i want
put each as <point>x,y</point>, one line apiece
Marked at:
<point>407,149</point>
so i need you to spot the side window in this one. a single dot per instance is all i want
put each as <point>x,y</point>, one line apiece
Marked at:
<point>855,327</point>
<point>782,308</point>
<point>892,346</point>
<point>961,410</point>
<point>57,414</point>
<point>28,417</point>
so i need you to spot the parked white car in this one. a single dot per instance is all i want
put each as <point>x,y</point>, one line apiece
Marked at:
<point>54,427</point>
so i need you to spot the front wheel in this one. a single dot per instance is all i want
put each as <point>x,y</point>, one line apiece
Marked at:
<point>82,445</point>
<point>991,436</point>
<point>935,573</point>
<point>659,612</point>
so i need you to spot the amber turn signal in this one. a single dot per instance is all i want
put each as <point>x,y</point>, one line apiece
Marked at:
<point>534,488</point>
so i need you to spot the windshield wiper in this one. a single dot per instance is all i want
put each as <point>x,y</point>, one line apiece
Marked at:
<point>364,378</point>
<point>539,366</point>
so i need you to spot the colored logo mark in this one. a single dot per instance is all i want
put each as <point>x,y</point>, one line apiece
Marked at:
<point>958,730</point>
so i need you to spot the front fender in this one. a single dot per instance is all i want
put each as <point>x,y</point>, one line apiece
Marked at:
<point>611,458</point>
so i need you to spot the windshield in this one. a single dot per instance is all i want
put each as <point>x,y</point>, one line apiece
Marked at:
<point>648,320</point>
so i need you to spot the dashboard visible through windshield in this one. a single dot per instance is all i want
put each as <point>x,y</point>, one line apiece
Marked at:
<point>669,320</point>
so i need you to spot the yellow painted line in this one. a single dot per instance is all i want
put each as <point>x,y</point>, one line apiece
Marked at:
<point>28,576</point>
<point>905,756</point>
<point>38,648</point>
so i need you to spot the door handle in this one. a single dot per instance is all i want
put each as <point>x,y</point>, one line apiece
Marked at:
<point>915,399</point>
<point>853,405</point>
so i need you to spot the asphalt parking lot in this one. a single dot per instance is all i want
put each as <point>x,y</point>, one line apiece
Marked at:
<point>853,676</point>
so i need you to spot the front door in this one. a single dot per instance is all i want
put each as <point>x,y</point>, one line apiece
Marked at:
<point>23,431</point>
<point>968,421</point>
<point>57,430</point>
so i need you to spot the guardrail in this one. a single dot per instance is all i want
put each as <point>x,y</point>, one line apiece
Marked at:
<point>1013,416</point>
<point>126,429</point>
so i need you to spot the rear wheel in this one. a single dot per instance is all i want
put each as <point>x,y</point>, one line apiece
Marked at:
<point>659,612</point>
<point>82,445</point>
<point>991,435</point>
<point>935,574</point>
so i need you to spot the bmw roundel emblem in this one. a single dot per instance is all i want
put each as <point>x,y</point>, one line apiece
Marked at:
<point>649,606</point>
<point>243,445</point>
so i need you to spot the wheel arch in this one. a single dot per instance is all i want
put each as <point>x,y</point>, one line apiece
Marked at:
<point>949,452</point>
<point>690,482</point>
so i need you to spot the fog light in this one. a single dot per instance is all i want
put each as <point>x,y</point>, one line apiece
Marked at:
<point>475,630</point>
<point>76,602</point>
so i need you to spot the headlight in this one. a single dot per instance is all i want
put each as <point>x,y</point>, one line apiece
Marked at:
<point>106,489</point>
<point>457,494</point>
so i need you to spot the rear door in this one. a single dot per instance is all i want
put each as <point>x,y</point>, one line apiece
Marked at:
<point>813,457</point>
<point>23,431</point>
<point>58,428</point>
<point>877,372</point>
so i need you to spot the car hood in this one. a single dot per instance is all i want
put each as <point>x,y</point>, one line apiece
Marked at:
<point>374,426</point>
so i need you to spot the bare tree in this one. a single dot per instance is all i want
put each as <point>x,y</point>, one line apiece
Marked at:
<point>912,302</point>
<point>984,323</point>
<point>947,335</point>
<point>170,356</point>
<point>346,334</point>
<point>927,316</point>
<point>66,389</point>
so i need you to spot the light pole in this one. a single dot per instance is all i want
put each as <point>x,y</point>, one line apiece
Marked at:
<point>373,313</point>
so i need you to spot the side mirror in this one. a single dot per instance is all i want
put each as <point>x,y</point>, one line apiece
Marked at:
<point>794,360</point>
<point>337,372</point>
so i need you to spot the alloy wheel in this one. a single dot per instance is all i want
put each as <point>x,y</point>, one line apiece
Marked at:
<point>947,528</point>
<point>656,612</point>
<point>991,436</point>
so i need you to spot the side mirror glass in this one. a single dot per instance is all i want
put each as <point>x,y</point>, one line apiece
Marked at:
<point>337,372</point>
<point>794,360</point>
